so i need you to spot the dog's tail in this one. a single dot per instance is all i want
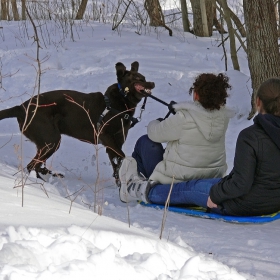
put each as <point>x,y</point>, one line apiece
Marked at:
<point>13,112</point>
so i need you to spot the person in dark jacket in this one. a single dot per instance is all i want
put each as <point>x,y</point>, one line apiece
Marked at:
<point>252,187</point>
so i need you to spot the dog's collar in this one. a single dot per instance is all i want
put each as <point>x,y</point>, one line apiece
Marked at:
<point>123,92</point>
<point>108,108</point>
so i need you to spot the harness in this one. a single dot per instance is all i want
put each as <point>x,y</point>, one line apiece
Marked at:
<point>108,108</point>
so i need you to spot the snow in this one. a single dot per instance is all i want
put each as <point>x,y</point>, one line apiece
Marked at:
<point>56,234</point>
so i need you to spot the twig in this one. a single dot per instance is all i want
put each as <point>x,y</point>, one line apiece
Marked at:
<point>117,25</point>
<point>127,206</point>
<point>7,142</point>
<point>166,209</point>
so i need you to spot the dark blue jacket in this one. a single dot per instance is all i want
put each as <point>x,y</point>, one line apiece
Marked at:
<point>253,185</point>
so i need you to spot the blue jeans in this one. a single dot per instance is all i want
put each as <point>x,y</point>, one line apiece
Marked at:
<point>148,154</point>
<point>194,192</point>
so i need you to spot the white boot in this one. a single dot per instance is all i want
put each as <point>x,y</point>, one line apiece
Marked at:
<point>133,187</point>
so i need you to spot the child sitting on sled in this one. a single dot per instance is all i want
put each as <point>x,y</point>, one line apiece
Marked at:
<point>197,130</point>
<point>252,187</point>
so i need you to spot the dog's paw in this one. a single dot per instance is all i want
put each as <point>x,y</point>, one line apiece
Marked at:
<point>118,183</point>
<point>59,175</point>
<point>44,177</point>
<point>47,175</point>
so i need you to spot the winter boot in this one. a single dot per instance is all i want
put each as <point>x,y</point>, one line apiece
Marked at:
<point>133,187</point>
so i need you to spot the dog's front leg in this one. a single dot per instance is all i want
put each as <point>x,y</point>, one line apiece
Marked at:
<point>115,154</point>
<point>116,163</point>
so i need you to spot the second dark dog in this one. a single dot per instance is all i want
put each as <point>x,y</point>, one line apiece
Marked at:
<point>93,117</point>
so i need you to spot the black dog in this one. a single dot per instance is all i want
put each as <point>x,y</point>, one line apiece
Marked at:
<point>93,118</point>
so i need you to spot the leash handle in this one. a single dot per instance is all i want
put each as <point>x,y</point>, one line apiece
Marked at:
<point>161,101</point>
<point>168,114</point>
<point>171,109</point>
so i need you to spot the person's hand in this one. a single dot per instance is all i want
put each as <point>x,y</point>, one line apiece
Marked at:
<point>170,107</point>
<point>210,203</point>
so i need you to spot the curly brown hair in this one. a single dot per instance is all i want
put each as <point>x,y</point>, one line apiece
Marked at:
<point>269,94</point>
<point>211,89</point>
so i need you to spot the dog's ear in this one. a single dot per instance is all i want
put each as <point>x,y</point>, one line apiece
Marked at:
<point>134,66</point>
<point>120,69</point>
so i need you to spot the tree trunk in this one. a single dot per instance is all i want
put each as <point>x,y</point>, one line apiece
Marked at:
<point>262,43</point>
<point>153,9</point>
<point>15,10</point>
<point>4,10</point>
<point>210,16</point>
<point>155,13</point>
<point>8,6</point>
<point>185,18</point>
<point>278,9</point>
<point>204,18</point>
<point>278,17</point>
<point>198,18</point>
<point>233,51</point>
<point>81,10</point>
<point>23,9</point>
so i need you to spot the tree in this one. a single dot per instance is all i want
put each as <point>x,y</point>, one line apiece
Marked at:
<point>277,10</point>
<point>230,15</point>
<point>237,22</point>
<point>15,10</point>
<point>209,15</point>
<point>23,9</point>
<point>197,18</point>
<point>203,17</point>
<point>4,9</point>
<point>81,9</point>
<point>185,18</point>
<point>155,13</point>
<point>233,51</point>
<point>262,43</point>
<point>205,31</point>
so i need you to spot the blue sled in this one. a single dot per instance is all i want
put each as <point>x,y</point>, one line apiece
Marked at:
<point>201,213</point>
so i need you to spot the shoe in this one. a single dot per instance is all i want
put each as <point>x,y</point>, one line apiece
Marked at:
<point>133,187</point>
<point>127,170</point>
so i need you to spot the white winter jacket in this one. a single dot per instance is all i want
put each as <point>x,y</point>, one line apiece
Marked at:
<point>196,143</point>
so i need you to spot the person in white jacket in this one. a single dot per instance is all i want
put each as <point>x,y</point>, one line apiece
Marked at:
<point>195,138</point>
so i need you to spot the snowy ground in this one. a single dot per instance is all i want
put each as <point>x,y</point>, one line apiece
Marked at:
<point>41,240</point>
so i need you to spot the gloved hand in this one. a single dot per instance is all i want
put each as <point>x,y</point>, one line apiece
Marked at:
<point>170,107</point>
<point>160,119</point>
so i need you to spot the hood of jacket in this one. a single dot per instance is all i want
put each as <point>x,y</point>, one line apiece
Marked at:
<point>211,123</point>
<point>271,125</point>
